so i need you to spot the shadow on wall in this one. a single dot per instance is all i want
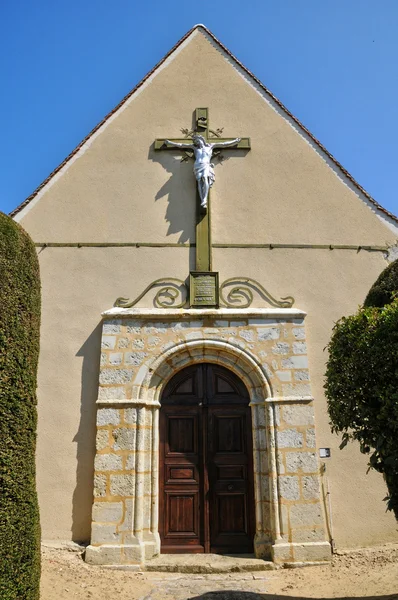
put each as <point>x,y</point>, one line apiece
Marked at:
<point>85,438</point>
<point>180,190</point>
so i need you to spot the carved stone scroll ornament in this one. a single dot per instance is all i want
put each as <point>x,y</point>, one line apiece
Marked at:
<point>236,292</point>
<point>241,295</point>
<point>171,289</point>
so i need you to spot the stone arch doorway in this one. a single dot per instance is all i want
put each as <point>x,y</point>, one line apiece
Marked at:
<point>206,491</point>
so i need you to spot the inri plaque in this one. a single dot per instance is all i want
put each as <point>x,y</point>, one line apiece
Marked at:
<point>204,289</point>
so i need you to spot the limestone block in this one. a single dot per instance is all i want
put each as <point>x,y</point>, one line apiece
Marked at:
<point>133,326</point>
<point>299,333</point>
<point>111,393</point>
<point>295,362</point>
<point>301,375</point>
<point>310,438</point>
<point>261,438</point>
<point>127,524</point>
<point>133,554</point>
<point>277,415</point>
<point>279,463</point>
<point>198,324</point>
<point>108,462</point>
<point>122,485</point>
<point>259,417</point>
<point>282,553</point>
<point>310,487</point>
<point>284,518</point>
<point>124,439</point>
<point>104,359</point>
<point>99,486</point>
<point>299,348</point>
<point>123,343</point>
<point>312,552</point>
<point>108,342</point>
<point>247,335</point>
<point>315,534</point>
<point>134,358</point>
<point>268,333</point>
<point>284,375</point>
<point>306,514</point>
<point>115,376</point>
<point>281,348</point>
<point>238,323</point>
<point>210,331</point>
<point>130,415</point>
<point>289,487</point>
<point>107,512</point>
<point>131,461</point>
<point>115,358</point>
<point>102,439</point>
<point>289,438</point>
<point>108,416</point>
<point>267,370</point>
<point>104,534</point>
<point>103,555</point>
<point>298,389</point>
<point>301,461</point>
<point>141,375</point>
<point>298,415</point>
<point>194,335</point>
<point>111,327</point>
<point>138,344</point>
<point>220,323</point>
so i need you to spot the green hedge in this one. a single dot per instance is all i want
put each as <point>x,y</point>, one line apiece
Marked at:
<point>383,290</point>
<point>19,350</point>
<point>362,388</point>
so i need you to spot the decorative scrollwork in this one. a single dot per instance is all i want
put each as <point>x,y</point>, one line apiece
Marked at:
<point>242,295</point>
<point>172,289</point>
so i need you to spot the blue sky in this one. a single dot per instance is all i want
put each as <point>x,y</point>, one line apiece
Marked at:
<point>65,65</point>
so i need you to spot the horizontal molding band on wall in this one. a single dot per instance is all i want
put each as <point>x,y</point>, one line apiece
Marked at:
<point>355,247</point>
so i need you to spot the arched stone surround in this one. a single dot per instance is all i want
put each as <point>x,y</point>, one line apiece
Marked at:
<point>141,350</point>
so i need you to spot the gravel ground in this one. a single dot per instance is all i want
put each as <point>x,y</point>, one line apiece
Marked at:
<point>367,573</point>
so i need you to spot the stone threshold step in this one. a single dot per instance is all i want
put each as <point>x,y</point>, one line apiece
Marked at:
<point>207,563</point>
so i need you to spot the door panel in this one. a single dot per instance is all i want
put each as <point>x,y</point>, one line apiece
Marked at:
<point>179,522</point>
<point>206,474</point>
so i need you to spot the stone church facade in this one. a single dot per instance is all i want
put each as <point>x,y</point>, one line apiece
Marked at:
<point>195,421</point>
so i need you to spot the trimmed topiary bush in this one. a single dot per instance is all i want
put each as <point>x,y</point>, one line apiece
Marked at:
<point>362,388</point>
<point>19,350</point>
<point>384,288</point>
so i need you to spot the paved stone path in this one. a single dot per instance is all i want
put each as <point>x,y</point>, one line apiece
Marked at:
<point>228,586</point>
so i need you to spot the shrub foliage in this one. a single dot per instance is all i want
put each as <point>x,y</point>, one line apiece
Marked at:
<point>362,388</point>
<point>384,288</point>
<point>19,349</point>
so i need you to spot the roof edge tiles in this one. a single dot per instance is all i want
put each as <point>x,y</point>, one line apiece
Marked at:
<point>378,206</point>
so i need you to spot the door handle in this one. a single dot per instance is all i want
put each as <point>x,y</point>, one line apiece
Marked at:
<point>230,488</point>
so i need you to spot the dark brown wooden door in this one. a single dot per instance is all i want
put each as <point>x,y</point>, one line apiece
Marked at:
<point>206,472</point>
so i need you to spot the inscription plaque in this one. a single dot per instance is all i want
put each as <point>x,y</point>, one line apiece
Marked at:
<point>204,289</point>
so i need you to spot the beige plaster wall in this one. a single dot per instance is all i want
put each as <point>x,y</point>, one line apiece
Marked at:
<point>119,190</point>
<point>77,285</point>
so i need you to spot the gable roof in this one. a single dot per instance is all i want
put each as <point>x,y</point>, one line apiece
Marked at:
<point>386,215</point>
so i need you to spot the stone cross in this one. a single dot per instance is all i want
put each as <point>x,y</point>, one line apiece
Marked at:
<point>203,231</point>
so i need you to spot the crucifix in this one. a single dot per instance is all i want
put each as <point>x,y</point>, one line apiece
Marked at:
<point>201,143</point>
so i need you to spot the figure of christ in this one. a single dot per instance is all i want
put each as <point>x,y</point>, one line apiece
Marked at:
<point>203,168</point>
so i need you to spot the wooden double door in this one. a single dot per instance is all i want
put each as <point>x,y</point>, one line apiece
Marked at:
<point>206,472</point>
